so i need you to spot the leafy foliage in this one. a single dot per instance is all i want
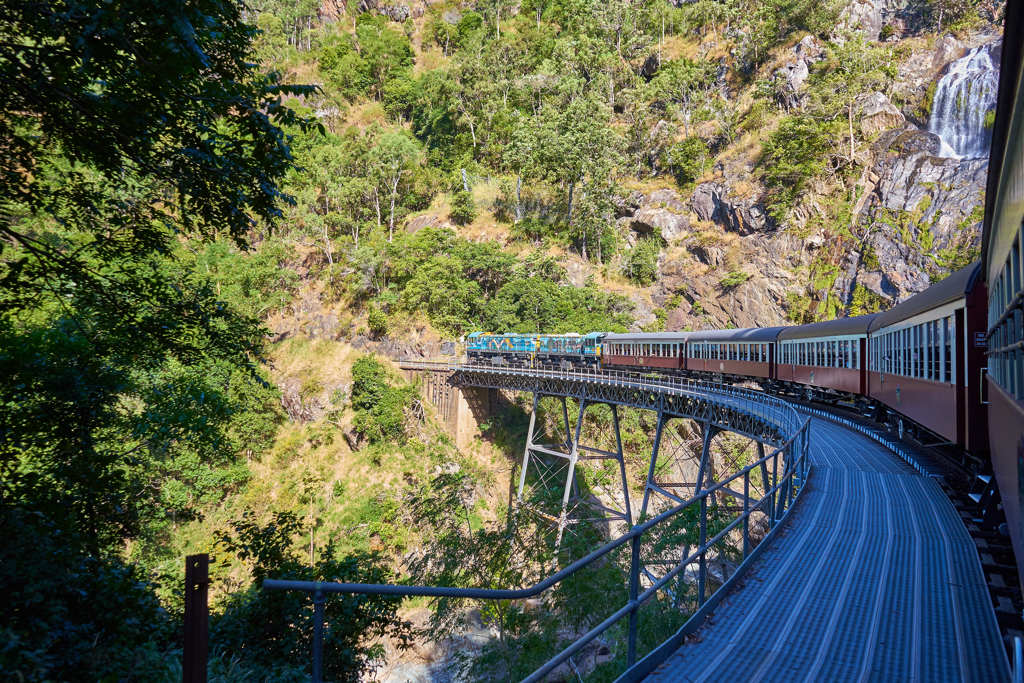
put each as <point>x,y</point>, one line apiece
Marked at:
<point>641,262</point>
<point>793,155</point>
<point>272,630</point>
<point>379,405</point>
<point>463,210</point>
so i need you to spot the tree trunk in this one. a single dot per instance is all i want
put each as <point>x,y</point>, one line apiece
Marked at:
<point>465,181</point>
<point>519,197</point>
<point>391,218</point>
<point>376,204</point>
<point>327,246</point>
<point>568,220</point>
<point>472,130</point>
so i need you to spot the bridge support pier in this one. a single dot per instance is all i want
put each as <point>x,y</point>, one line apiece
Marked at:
<point>460,409</point>
<point>546,461</point>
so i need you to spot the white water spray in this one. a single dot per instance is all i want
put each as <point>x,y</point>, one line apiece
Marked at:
<point>963,97</point>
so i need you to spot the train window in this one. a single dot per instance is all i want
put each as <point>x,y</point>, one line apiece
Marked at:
<point>926,341</point>
<point>947,350</point>
<point>915,350</point>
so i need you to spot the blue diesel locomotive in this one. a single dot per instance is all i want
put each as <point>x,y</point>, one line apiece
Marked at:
<point>564,351</point>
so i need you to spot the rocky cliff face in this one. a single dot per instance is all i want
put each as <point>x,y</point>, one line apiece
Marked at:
<point>921,213</point>
<point>916,218</point>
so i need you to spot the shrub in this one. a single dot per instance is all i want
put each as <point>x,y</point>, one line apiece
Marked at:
<point>377,320</point>
<point>734,279</point>
<point>379,405</point>
<point>463,209</point>
<point>794,154</point>
<point>641,262</point>
<point>686,160</point>
<point>272,631</point>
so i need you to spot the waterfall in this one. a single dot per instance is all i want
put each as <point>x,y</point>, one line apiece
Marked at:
<point>964,95</point>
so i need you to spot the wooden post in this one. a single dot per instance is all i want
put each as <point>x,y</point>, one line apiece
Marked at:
<point>197,618</point>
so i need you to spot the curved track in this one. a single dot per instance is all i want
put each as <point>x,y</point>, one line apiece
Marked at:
<point>874,578</point>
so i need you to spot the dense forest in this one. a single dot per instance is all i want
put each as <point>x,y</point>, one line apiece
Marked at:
<point>222,222</point>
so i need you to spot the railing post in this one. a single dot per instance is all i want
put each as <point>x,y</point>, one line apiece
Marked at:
<point>197,618</point>
<point>634,592</point>
<point>775,483</point>
<point>702,571</point>
<point>746,514</point>
<point>318,636</point>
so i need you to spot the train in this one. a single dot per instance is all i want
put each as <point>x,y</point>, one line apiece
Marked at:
<point>1002,270</point>
<point>917,366</point>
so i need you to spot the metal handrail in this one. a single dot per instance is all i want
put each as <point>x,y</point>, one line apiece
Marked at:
<point>779,499</point>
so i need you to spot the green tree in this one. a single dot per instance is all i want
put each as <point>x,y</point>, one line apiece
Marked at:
<point>125,134</point>
<point>273,629</point>
<point>463,209</point>
<point>793,154</point>
<point>393,159</point>
<point>379,403</point>
<point>641,262</point>
<point>851,70</point>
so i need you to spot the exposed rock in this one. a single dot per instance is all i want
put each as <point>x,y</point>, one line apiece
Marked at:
<point>353,438</point>
<point>628,204</point>
<point>577,272</point>
<point>661,211</point>
<point>947,48</point>
<point>878,114</point>
<point>452,17</point>
<point>666,198</point>
<point>711,203</point>
<point>670,225</point>
<point>921,205</point>
<point>417,223</point>
<point>795,72</point>
<point>907,141</point>
<point>398,12</point>
<point>868,16</point>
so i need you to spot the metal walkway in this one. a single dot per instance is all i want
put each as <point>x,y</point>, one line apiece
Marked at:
<point>874,578</point>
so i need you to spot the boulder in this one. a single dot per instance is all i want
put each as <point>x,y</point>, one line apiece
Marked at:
<point>417,223</point>
<point>908,141</point>
<point>649,219</point>
<point>451,17</point>
<point>665,198</point>
<point>626,205</point>
<point>879,114</point>
<point>795,72</point>
<point>711,202</point>
<point>661,211</point>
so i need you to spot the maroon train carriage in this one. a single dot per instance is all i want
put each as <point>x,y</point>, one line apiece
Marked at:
<point>662,350</point>
<point>744,353</point>
<point>925,359</point>
<point>828,355</point>
<point>1003,270</point>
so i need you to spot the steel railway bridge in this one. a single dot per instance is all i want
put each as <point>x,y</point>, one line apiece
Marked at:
<point>828,556</point>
